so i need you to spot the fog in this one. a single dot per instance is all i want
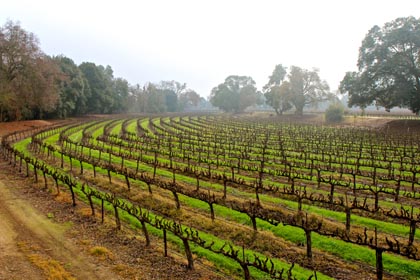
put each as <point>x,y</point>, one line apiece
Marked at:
<point>202,42</point>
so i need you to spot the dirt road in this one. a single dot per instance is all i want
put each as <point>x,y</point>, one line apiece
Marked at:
<point>31,244</point>
<point>42,237</point>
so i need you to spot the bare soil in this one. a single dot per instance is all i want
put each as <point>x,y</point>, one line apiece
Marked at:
<point>28,235</point>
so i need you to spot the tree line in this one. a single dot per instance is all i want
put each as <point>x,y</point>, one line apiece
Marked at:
<point>388,76</point>
<point>34,85</point>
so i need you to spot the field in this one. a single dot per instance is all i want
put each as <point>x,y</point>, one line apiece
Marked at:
<point>249,197</point>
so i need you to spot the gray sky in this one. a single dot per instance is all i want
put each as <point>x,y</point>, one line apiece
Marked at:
<point>202,42</point>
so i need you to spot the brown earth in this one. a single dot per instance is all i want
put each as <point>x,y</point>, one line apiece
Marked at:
<point>43,237</point>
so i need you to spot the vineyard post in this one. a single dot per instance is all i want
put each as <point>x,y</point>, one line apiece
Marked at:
<point>374,175</point>
<point>318,176</point>
<point>45,176</point>
<point>197,177</point>
<point>376,192</point>
<point>224,185</point>
<point>149,187</point>
<point>239,165</point>
<point>332,184</point>
<point>413,223</point>
<point>155,165</point>
<point>70,184</point>
<point>379,263</point>
<point>117,216</point>
<point>170,152</point>
<point>165,243</point>
<point>127,180</point>
<point>353,173</point>
<point>27,167</point>
<point>209,169</point>
<point>414,170</point>
<point>102,211</point>
<point>188,161</point>
<point>173,176</point>
<point>91,204</point>
<point>94,168</point>
<point>109,174</point>
<point>397,190</point>
<point>188,253</point>
<point>300,196</point>
<point>233,173</point>
<point>312,167</point>
<point>20,164</point>
<point>81,164</point>
<point>55,176</point>
<point>348,215</point>
<point>257,196</point>
<point>71,162</point>
<point>137,165</point>
<point>146,233</point>
<point>251,212</point>
<point>308,233</point>
<point>244,264</point>
<point>177,203</point>
<point>36,171</point>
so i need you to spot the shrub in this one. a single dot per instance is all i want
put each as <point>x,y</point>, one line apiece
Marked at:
<point>101,252</point>
<point>334,113</point>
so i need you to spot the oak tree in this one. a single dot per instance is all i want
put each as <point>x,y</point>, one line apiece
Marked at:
<point>388,67</point>
<point>234,95</point>
<point>27,75</point>
<point>277,91</point>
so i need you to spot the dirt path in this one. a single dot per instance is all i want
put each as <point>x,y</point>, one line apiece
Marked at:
<point>30,243</point>
<point>43,237</point>
<point>14,263</point>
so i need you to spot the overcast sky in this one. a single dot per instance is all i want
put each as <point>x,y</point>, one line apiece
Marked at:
<point>202,42</point>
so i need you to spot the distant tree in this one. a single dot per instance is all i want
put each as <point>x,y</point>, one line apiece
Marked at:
<point>298,88</point>
<point>174,86</point>
<point>100,80</point>
<point>44,95</point>
<point>171,100</point>
<point>235,94</point>
<point>133,99</point>
<point>178,95</point>
<point>277,77</point>
<point>279,97</point>
<point>27,75</point>
<point>188,98</point>
<point>120,93</point>
<point>72,87</point>
<point>306,88</point>
<point>154,99</point>
<point>389,67</point>
<point>171,90</point>
<point>277,91</point>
